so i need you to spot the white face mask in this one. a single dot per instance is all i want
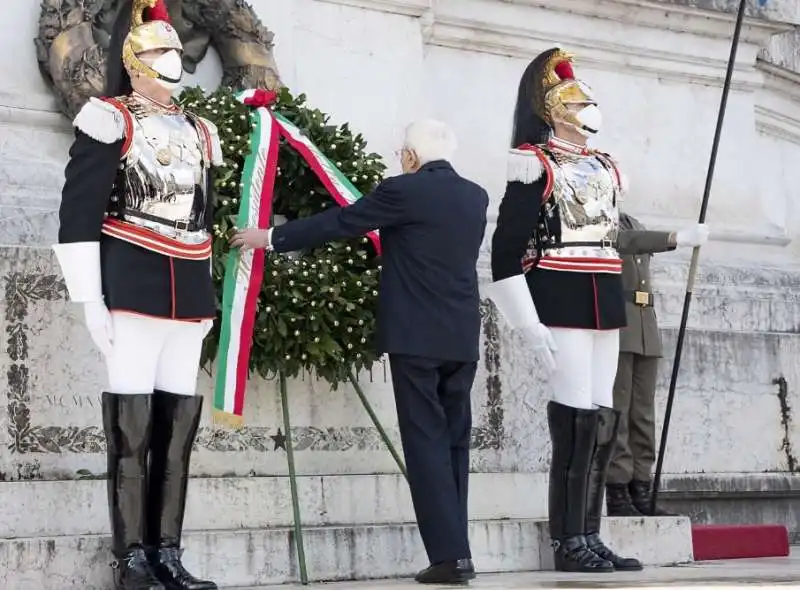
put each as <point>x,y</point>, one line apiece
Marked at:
<point>170,66</point>
<point>591,117</point>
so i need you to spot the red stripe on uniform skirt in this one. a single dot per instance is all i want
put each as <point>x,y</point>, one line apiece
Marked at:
<point>172,285</point>
<point>158,317</point>
<point>596,304</point>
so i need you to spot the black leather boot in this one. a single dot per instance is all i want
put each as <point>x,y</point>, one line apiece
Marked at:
<point>127,424</point>
<point>572,433</point>
<point>618,501</point>
<point>641,495</point>
<point>175,422</point>
<point>607,425</point>
<point>459,571</point>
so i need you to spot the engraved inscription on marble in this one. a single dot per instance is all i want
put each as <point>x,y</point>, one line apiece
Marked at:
<point>73,401</point>
<point>54,379</point>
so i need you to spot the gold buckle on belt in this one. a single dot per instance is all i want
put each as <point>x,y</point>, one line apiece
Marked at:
<point>642,298</point>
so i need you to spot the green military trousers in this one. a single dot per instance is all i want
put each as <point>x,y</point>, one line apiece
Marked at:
<point>634,397</point>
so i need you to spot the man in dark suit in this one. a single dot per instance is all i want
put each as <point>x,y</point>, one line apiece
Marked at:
<point>432,223</point>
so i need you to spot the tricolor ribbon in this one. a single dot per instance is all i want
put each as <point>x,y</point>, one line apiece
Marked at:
<point>244,269</point>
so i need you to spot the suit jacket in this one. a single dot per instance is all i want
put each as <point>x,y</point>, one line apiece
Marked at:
<point>432,225</point>
<point>641,336</point>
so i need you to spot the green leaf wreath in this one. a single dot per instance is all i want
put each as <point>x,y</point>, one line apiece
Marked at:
<point>316,310</point>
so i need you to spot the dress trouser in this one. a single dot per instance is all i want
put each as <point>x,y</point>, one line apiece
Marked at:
<point>151,354</point>
<point>582,428</point>
<point>434,414</point>
<point>634,397</point>
<point>150,417</point>
<point>586,364</point>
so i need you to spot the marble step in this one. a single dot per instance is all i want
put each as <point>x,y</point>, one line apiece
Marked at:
<point>78,507</point>
<point>258,557</point>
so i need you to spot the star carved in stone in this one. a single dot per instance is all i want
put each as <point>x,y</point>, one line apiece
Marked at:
<point>279,440</point>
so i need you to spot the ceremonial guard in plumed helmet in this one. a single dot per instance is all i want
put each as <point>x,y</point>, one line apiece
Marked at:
<point>556,267</point>
<point>135,248</point>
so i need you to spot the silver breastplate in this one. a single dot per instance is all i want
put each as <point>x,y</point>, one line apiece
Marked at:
<point>585,193</point>
<point>163,170</point>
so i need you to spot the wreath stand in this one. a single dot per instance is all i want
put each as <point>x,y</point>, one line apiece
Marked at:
<point>287,426</point>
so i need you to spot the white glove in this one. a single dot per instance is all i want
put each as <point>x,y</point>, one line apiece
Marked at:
<point>100,324</point>
<point>513,299</point>
<point>80,265</point>
<point>543,344</point>
<point>694,236</point>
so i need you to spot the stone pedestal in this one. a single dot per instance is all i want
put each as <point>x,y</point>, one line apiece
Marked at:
<point>356,527</point>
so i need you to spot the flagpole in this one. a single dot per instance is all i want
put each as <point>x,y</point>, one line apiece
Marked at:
<point>676,363</point>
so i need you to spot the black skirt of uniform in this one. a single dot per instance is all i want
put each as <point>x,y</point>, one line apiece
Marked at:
<point>140,281</point>
<point>589,301</point>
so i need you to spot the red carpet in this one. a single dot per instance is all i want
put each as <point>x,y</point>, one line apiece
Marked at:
<point>735,541</point>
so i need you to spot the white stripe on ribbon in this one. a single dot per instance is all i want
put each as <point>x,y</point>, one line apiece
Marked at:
<point>330,170</point>
<point>246,258</point>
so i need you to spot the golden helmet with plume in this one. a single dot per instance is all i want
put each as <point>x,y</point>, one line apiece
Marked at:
<point>151,29</point>
<point>547,89</point>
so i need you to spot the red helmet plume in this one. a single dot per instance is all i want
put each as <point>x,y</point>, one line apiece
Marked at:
<point>564,70</point>
<point>158,12</point>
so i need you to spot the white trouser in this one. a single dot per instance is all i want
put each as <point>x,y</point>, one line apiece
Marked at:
<point>154,353</point>
<point>586,367</point>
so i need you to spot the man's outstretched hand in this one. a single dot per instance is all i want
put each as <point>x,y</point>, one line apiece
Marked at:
<point>250,238</point>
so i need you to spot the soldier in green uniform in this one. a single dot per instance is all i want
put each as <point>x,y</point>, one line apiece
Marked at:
<point>628,484</point>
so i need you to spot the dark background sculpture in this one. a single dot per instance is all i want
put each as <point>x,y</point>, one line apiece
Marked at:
<point>74,34</point>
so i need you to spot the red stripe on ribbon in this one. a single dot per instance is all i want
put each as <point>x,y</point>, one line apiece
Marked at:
<point>257,272</point>
<point>312,161</point>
